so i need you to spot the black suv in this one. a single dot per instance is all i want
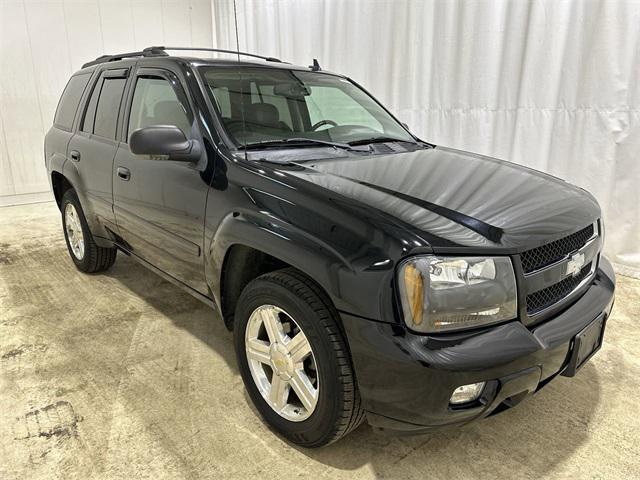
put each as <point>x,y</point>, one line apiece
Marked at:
<point>364,272</point>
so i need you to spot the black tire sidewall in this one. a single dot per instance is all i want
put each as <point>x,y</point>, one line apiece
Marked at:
<point>322,422</point>
<point>71,197</point>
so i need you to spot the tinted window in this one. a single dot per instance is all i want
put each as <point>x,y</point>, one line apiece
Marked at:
<point>155,102</point>
<point>69,101</point>
<point>108,107</point>
<point>264,104</point>
<point>90,115</point>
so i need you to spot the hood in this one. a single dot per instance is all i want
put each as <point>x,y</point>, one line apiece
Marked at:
<point>454,199</point>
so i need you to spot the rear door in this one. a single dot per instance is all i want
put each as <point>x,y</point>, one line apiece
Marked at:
<point>160,204</point>
<point>94,145</point>
<point>58,137</point>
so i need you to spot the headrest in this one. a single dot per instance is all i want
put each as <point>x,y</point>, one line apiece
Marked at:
<point>263,114</point>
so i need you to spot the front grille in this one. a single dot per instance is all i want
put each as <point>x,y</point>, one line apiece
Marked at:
<point>546,297</point>
<point>552,252</point>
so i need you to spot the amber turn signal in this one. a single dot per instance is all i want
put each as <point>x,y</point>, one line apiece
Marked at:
<point>414,290</point>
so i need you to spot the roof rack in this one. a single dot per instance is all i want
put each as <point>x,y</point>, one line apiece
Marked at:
<point>147,52</point>
<point>159,51</point>
<point>219,50</point>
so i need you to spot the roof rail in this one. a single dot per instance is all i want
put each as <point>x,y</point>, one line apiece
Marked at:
<point>219,50</point>
<point>159,51</point>
<point>147,52</point>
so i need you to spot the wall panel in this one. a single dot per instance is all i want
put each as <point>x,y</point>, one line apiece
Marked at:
<point>42,42</point>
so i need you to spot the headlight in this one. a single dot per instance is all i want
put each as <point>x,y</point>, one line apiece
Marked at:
<point>451,293</point>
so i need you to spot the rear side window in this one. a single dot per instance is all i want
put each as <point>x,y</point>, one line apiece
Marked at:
<point>90,116</point>
<point>101,116</point>
<point>108,107</point>
<point>68,105</point>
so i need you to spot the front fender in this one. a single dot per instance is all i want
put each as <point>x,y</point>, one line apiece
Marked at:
<point>351,278</point>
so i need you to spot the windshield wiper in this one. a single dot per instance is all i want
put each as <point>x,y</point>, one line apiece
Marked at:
<point>294,142</point>
<point>367,141</point>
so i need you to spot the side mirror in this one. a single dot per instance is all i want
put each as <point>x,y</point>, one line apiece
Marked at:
<point>164,142</point>
<point>405,126</point>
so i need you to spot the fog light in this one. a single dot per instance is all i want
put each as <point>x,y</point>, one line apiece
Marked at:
<point>466,393</point>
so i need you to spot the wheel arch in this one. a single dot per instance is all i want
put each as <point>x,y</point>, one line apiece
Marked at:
<point>67,177</point>
<point>244,248</point>
<point>60,184</point>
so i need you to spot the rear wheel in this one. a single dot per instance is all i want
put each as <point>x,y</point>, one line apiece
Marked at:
<point>85,253</point>
<point>294,360</point>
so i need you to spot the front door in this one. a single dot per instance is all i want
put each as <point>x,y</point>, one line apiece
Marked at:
<point>159,205</point>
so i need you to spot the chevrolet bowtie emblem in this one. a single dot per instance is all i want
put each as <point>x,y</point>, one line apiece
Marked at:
<point>575,264</point>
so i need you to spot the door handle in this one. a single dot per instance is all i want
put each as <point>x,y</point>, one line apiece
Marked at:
<point>123,173</point>
<point>75,155</point>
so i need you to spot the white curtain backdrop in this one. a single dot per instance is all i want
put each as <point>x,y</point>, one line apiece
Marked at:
<point>554,85</point>
<point>42,42</point>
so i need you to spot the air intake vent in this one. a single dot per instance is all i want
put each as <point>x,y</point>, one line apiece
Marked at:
<point>384,148</point>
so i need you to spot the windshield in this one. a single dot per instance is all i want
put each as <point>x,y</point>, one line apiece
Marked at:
<point>270,106</point>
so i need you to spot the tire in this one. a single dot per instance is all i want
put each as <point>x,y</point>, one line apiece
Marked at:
<point>292,296</point>
<point>88,257</point>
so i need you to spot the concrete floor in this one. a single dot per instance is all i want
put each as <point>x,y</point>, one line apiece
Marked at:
<point>123,375</point>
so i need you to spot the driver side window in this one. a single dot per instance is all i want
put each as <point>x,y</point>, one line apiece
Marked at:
<point>155,102</point>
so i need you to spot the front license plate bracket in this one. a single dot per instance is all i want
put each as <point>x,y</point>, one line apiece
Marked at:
<point>585,344</point>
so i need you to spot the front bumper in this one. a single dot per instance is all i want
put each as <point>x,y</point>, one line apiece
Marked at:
<point>406,380</point>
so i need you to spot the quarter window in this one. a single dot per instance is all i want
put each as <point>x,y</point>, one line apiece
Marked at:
<point>155,102</point>
<point>69,101</point>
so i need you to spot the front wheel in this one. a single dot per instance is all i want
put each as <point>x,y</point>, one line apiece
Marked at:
<point>294,360</point>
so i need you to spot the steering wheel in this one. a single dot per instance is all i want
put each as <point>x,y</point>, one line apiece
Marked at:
<point>323,122</point>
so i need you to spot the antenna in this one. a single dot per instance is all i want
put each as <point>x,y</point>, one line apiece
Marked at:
<point>242,99</point>
<point>235,19</point>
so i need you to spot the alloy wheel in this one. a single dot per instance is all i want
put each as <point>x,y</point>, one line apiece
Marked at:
<point>75,237</point>
<point>282,363</point>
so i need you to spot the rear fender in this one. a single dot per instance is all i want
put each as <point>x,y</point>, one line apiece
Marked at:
<point>68,169</point>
